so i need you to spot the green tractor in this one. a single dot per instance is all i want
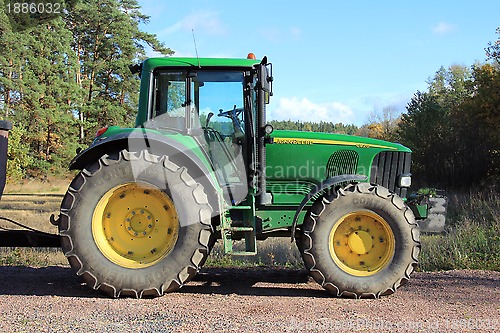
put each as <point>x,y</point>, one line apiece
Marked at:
<point>202,164</point>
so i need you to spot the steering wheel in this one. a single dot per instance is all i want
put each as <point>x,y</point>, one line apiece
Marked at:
<point>234,116</point>
<point>235,112</point>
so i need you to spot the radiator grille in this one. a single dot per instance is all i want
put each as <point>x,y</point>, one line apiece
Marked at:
<point>386,168</point>
<point>342,162</point>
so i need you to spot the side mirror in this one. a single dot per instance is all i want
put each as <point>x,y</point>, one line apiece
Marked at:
<point>266,78</point>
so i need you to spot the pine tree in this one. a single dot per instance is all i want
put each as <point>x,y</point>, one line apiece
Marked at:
<point>46,93</point>
<point>63,79</point>
<point>106,41</point>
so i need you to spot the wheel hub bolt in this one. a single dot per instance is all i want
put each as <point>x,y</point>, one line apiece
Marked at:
<point>135,223</point>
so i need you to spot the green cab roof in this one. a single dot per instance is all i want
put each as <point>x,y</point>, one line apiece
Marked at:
<point>152,63</point>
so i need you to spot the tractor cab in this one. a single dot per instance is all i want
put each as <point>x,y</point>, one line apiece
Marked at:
<point>217,106</point>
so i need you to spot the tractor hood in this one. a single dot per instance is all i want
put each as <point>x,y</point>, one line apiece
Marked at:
<point>314,157</point>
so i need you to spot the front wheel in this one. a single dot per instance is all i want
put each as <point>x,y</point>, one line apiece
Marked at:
<point>135,224</point>
<point>362,241</point>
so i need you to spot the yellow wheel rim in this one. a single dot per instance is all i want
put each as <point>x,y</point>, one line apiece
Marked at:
<point>135,225</point>
<point>362,243</point>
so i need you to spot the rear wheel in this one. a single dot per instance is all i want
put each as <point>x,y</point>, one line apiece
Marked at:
<point>360,242</point>
<point>135,224</point>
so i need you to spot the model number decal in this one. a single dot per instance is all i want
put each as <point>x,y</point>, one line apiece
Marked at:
<point>284,141</point>
<point>294,141</point>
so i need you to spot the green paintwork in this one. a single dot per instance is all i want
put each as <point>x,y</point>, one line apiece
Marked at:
<point>188,141</point>
<point>296,161</point>
<point>341,140</point>
<point>278,218</point>
<point>152,63</point>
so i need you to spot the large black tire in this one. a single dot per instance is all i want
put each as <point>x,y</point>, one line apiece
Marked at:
<point>89,247</point>
<point>342,233</point>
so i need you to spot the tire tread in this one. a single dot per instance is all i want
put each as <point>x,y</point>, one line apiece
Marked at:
<point>193,263</point>
<point>312,218</point>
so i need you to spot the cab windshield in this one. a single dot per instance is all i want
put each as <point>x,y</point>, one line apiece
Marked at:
<point>218,97</point>
<point>201,99</point>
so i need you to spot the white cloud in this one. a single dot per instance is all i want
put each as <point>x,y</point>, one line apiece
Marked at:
<point>303,109</point>
<point>201,22</point>
<point>443,28</point>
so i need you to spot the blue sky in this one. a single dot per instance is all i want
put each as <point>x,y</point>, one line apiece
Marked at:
<point>333,60</point>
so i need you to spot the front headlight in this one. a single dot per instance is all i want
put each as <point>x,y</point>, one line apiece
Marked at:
<point>404,180</point>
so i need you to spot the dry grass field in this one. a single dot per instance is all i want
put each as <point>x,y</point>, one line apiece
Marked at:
<point>31,203</point>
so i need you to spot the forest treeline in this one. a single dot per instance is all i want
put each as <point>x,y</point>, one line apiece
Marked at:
<point>453,127</point>
<point>62,80</point>
<point>308,126</point>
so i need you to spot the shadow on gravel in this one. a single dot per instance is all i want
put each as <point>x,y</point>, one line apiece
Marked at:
<point>242,281</point>
<point>62,282</point>
<point>46,281</point>
<point>255,281</point>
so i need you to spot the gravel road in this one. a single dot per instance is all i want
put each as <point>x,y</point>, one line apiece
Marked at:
<point>249,300</point>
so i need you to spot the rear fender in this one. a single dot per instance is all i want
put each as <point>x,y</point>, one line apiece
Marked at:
<point>156,144</point>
